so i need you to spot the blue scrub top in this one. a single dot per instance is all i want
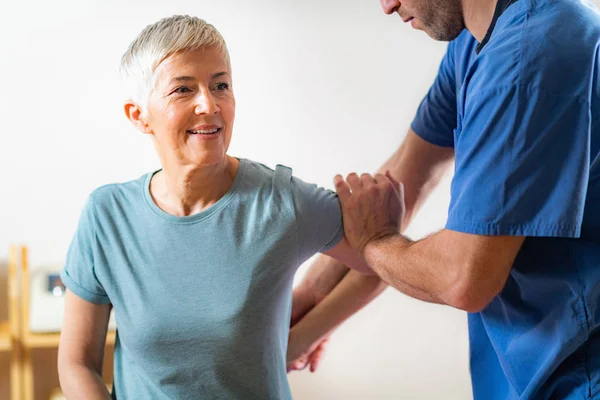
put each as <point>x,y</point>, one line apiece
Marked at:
<point>522,113</point>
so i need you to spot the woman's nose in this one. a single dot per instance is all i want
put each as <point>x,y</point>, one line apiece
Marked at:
<point>206,104</point>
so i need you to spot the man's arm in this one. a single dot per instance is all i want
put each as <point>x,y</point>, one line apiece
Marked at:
<point>420,166</point>
<point>462,270</point>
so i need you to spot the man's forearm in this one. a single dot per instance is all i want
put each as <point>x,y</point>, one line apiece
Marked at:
<point>414,273</point>
<point>462,270</point>
<point>420,166</point>
<point>388,277</point>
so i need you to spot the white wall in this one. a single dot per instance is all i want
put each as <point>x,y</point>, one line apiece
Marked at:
<point>322,86</point>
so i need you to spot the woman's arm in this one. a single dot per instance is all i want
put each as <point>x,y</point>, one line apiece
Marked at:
<point>324,274</point>
<point>81,349</point>
<point>354,292</point>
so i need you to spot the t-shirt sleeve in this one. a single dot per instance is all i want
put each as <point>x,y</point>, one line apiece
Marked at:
<point>318,218</point>
<point>522,164</point>
<point>78,274</point>
<point>436,116</point>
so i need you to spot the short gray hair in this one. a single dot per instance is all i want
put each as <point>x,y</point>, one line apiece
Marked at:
<point>158,42</point>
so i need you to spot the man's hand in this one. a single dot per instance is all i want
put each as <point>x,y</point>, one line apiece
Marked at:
<point>372,207</point>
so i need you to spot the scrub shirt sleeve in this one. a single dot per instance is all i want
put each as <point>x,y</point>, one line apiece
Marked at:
<point>522,164</point>
<point>436,116</point>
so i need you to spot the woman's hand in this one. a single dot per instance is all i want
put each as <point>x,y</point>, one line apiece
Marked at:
<point>301,354</point>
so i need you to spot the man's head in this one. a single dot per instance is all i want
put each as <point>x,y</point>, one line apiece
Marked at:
<point>440,19</point>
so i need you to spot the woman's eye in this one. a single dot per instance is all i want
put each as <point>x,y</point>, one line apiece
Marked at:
<point>222,86</point>
<point>182,89</point>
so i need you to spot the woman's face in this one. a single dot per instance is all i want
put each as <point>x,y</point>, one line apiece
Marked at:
<point>191,109</point>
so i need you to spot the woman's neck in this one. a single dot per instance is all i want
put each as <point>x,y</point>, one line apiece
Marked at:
<point>183,190</point>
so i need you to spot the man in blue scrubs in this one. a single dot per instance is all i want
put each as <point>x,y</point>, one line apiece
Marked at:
<point>516,105</point>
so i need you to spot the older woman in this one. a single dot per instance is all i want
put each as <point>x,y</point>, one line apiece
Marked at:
<point>196,258</point>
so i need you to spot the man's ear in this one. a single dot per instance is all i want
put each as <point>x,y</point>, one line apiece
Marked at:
<point>135,115</point>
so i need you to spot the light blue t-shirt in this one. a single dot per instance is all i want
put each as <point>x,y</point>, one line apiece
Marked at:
<point>523,116</point>
<point>202,303</point>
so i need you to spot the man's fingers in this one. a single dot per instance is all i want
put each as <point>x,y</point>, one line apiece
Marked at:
<point>341,187</point>
<point>382,179</point>
<point>391,177</point>
<point>367,180</point>
<point>396,183</point>
<point>398,186</point>
<point>401,191</point>
<point>354,182</point>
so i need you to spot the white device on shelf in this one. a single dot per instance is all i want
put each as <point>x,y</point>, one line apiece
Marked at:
<point>47,302</point>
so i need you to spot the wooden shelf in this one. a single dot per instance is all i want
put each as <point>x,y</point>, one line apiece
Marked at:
<point>17,337</point>
<point>40,340</point>
<point>5,340</point>
<point>110,338</point>
<point>49,340</point>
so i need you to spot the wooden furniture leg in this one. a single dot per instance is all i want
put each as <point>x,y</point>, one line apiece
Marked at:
<point>16,376</point>
<point>28,384</point>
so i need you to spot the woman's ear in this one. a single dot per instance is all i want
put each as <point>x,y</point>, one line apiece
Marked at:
<point>137,118</point>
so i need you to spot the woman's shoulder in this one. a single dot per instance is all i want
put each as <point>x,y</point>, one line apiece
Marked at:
<point>122,192</point>
<point>261,174</point>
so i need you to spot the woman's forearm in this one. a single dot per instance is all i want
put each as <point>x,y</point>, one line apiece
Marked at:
<point>353,293</point>
<point>81,382</point>
<point>323,276</point>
